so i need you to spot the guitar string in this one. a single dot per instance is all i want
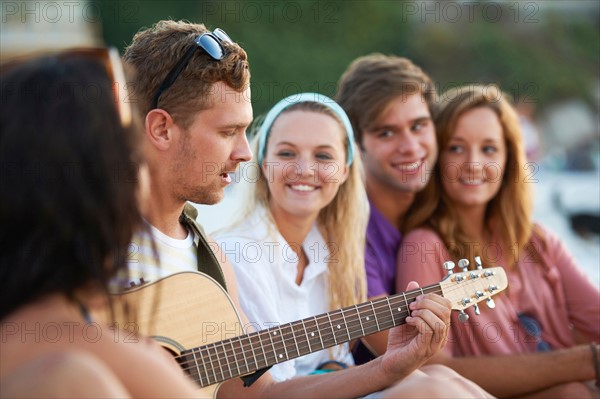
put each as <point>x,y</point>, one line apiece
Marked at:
<point>330,336</point>
<point>381,305</point>
<point>212,375</point>
<point>289,331</point>
<point>215,374</point>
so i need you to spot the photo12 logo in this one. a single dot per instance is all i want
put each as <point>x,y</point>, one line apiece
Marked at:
<point>67,331</point>
<point>469,11</point>
<point>69,11</point>
<point>271,11</point>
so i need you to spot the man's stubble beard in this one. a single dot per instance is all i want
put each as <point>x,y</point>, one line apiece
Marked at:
<point>203,189</point>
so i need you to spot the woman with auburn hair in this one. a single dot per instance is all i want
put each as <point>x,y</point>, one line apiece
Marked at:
<point>538,340</point>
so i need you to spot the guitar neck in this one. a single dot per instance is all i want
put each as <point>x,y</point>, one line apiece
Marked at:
<point>242,355</point>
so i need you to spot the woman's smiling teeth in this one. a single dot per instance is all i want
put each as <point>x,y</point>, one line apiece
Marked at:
<point>472,182</point>
<point>302,187</point>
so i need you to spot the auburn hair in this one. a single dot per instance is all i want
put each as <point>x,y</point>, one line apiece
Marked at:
<point>509,215</point>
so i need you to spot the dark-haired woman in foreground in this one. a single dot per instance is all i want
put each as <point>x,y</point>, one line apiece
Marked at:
<point>68,207</point>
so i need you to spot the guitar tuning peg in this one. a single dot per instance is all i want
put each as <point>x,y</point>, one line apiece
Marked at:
<point>449,265</point>
<point>463,317</point>
<point>490,303</point>
<point>478,262</point>
<point>463,264</point>
<point>476,309</point>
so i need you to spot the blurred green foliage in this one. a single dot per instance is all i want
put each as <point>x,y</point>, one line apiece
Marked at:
<point>536,51</point>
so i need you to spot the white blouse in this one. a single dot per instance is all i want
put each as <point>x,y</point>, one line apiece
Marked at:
<point>265,266</point>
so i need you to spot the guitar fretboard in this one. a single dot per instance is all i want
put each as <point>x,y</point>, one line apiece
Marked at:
<point>242,355</point>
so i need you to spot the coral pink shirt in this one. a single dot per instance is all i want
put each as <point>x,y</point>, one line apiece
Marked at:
<point>556,293</point>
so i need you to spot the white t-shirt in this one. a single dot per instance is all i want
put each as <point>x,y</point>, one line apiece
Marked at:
<point>175,256</point>
<point>265,266</point>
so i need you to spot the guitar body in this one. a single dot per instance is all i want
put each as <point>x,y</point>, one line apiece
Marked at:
<point>182,311</point>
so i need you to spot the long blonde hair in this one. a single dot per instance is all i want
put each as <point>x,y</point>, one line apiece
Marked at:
<point>509,215</point>
<point>343,222</point>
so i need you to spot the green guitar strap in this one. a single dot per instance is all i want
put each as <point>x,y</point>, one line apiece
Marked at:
<point>207,261</point>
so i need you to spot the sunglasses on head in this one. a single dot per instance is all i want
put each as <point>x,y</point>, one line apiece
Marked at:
<point>210,42</point>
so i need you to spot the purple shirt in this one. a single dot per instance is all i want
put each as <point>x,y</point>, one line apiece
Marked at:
<point>383,243</point>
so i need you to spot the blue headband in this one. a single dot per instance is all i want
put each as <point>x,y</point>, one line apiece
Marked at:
<point>265,128</point>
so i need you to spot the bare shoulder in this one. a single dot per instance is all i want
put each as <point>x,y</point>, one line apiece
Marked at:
<point>143,367</point>
<point>63,374</point>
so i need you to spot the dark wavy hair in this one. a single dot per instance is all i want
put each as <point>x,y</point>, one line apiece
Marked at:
<point>68,180</point>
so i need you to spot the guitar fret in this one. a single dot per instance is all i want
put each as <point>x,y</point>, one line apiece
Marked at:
<point>197,368</point>
<point>243,355</point>
<point>399,318</point>
<point>382,313</point>
<point>237,365</point>
<point>212,364</point>
<point>283,344</point>
<point>319,332</point>
<point>307,337</point>
<point>271,335</point>
<point>391,311</point>
<point>332,329</point>
<point>253,354</point>
<point>406,302</point>
<point>204,366</point>
<point>225,359</point>
<point>350,316</point>
<point>375,316</point>
<point>219,360</point>
<point>295,340</point>
<point>315,334</point>
<point>263,347</point>
<point>346,324</point>
<point>362,329</point>
<point>369,324</point>
<point>389,306</point>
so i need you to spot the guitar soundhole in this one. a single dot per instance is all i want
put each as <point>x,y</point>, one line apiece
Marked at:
<point>183,360</point>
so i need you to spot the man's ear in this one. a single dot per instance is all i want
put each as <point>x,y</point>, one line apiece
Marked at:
<point>159,128</point>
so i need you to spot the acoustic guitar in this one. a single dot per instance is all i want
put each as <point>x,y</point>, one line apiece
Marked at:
<point>192,316</point>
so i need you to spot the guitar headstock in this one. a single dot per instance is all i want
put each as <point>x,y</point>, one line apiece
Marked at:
<point>470,287</point>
